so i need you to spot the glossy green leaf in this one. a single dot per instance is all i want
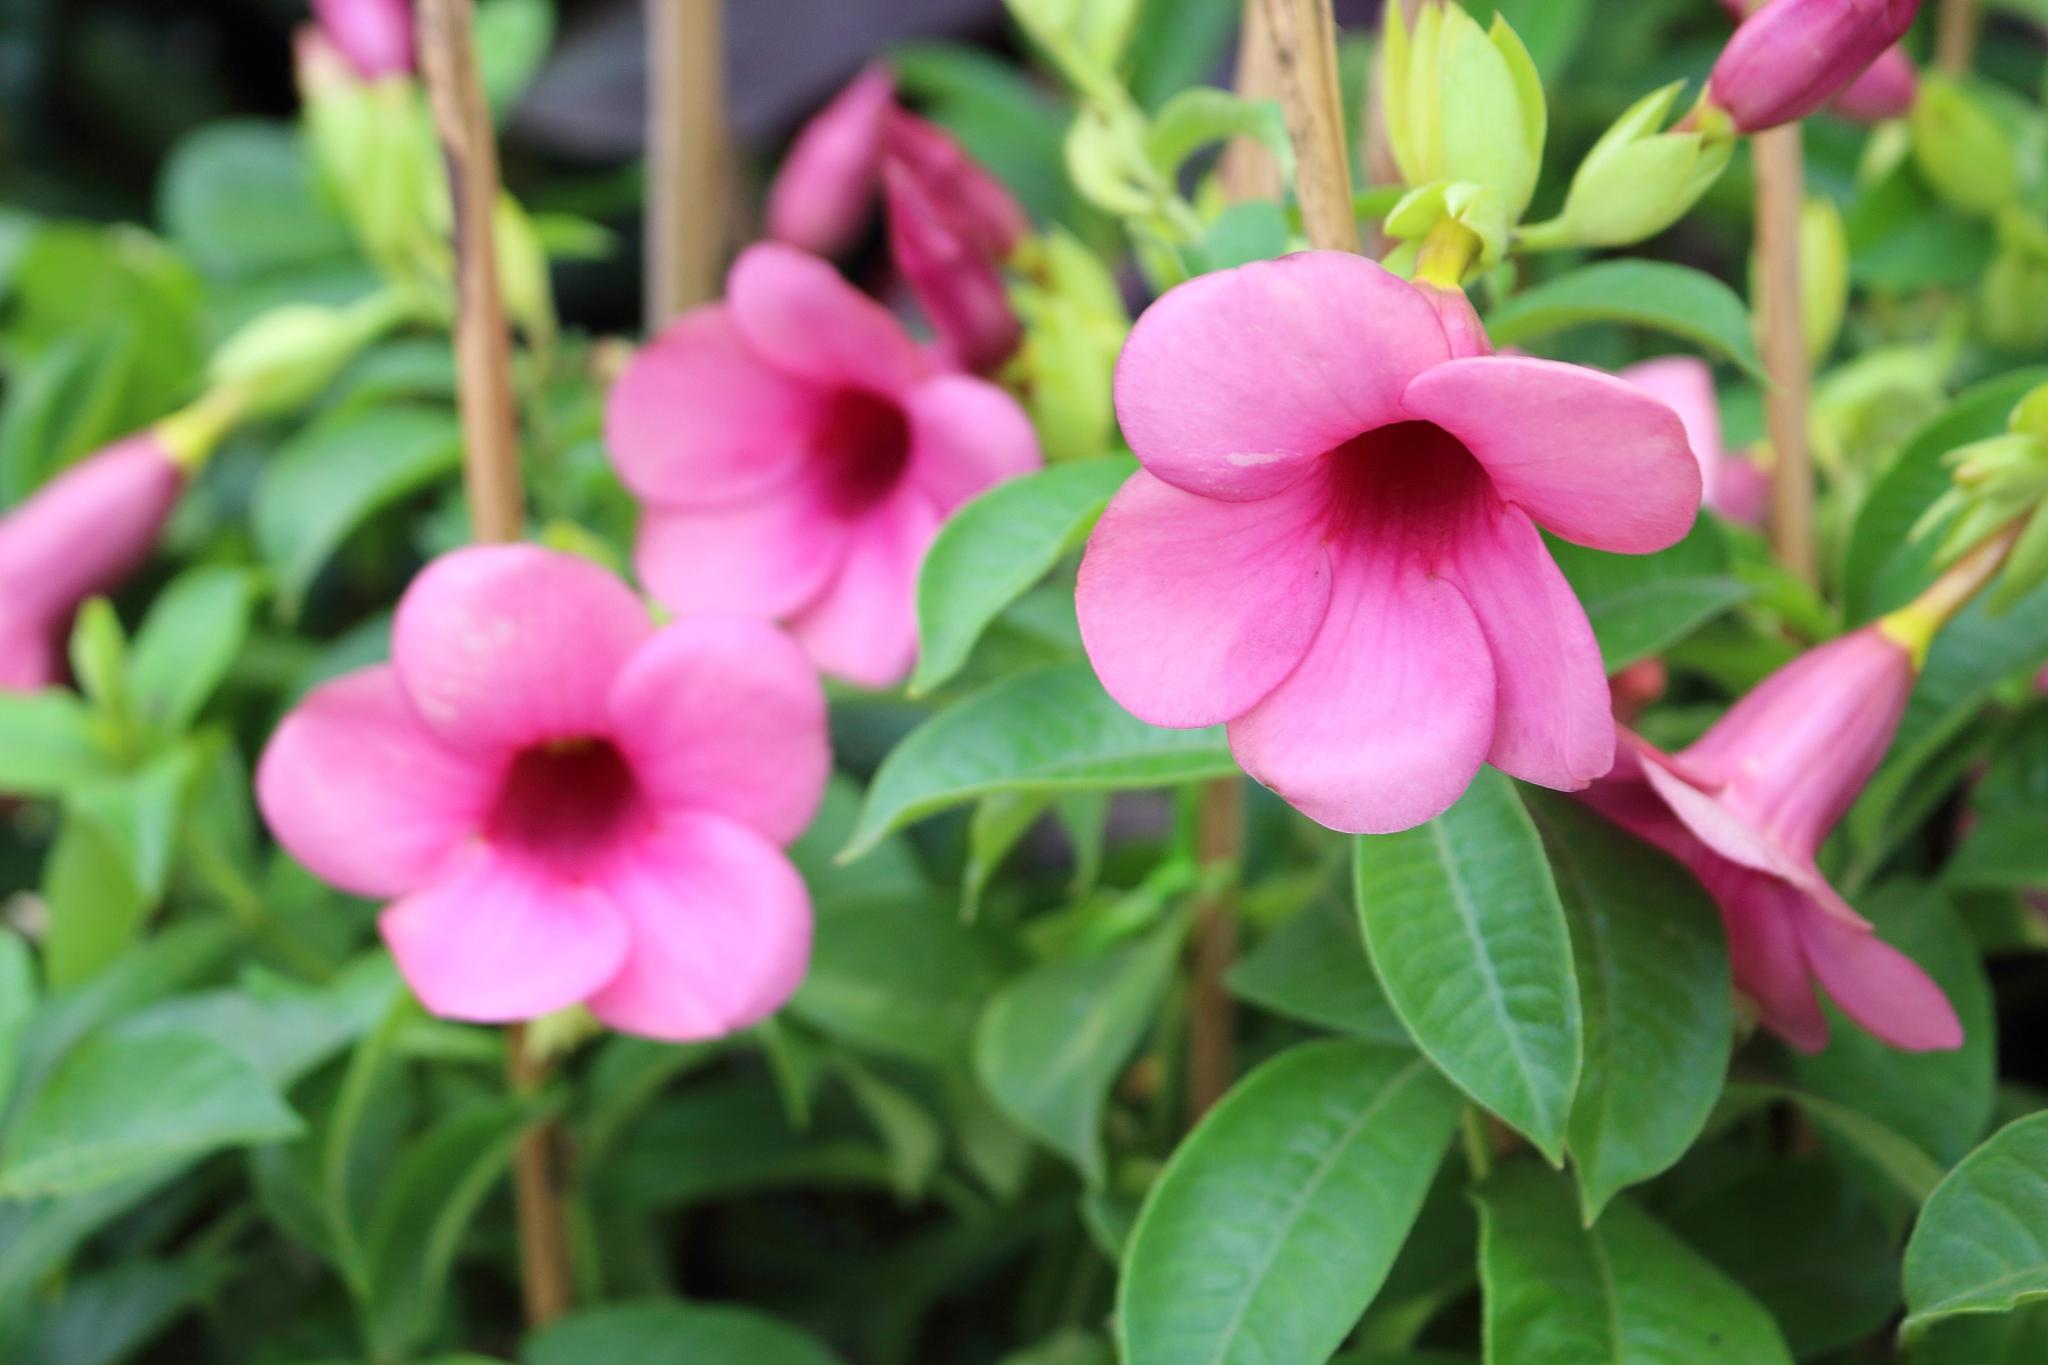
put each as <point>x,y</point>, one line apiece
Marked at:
<point>1981,1243</point>
<point>117,1107</point>
<point>512,39</point>
<point>994,548</point>
<point>1622,1292</point>
<point>194,629</point>
<point>1053,1041</point>
<point>1639,605</point>
<point>662,1332</point>
<point>331,476</point>
<point>1052,729</point>
<point>1669,298</point>
<point>108,1316</point>
<point>1939,1101</point>
<point>2005,850</point>
<point>1652,968</point>
<point>17,1004</point>
<point>1907,1173</point>
<point>239,199</point>
<point>1314,968</point>
<point>47,743</point>
<point>1275,1221</point>
<point>1468,937</point>
<point>96,904</point>
<point>1200,115</point>
<point>900,976</point>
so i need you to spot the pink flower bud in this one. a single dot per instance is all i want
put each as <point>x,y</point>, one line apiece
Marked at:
<point>1885,90</point>
<point>826,188</point>
<point>980,209</point>
<point>1793,56</point>
<point>375,35</point>
<point>960,289</point>
<point>80,534</point>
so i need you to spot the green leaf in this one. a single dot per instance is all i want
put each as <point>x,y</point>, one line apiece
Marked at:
<point>17,1005</point>
<point>1469,939</point>
<point>900,976</point>
<point>1981,1244</point>
<point>193,631</point>
<point>1275,1221</point>
<point>1640,605</point>
<point>994,548</point>
<point>1669,298</point>
<point>512,39</point>
<point>1904,1169</point>
<point>64,402</point>
<point>1622,1292</point>
<point>282,1027</point>
<point>46,743</point>
<point>118,1107</point>
<point>2006,850</point>
<point>1654,992</point>
<point>1885,567</point>
<point>109,1315</point>
<point>1794,1232</point>
<point>329,478</point>
<point>1052,729</point>
<point>665,1333</point>
<point>1195,117</point>
<point>1314,968</point>
<point>239,200</point>
<point>1052,1041</point>
<point>1941,1102</point>
<point>95,902</point>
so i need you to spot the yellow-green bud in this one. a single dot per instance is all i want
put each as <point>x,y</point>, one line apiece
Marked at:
<point>1636,181</point>
<point>1463,103</point>
<point>1962,150</point>
<point>523,272</point>
<point>2012,302</point>
<point>1075,325</point>
<point>1823,275</point>
<point>1475,207</point>
<point>282,359</point>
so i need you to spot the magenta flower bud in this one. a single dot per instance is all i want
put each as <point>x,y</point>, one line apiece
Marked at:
<point>375,35</point>
<point>78,535</point>
<point>1747,807</point>
<point>1793,56</point>
<point>960,289</point>
<point>979,208</point>
<point>826,188</point>
<point>1885,89</point>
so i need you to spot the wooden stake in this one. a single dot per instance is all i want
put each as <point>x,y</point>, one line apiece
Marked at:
<point>1212,1011</point>
<point>1305,47</point>
<point>490,465</point>
<point>689,164</point>
<point>1248,170</point>
<point>1955,36</point>
<point>1780,197</point>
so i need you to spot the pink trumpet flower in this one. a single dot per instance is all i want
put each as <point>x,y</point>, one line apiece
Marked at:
<point>375,35</point>
<point>567,804</point>
<point>80,534</point>
<point>797,451</point>
<point>1733,487</point>
<point>1332,544</point>
<point>826,188</point>
<point>1747,807</point>
<point>1792,56</point>
<point>959,288</point>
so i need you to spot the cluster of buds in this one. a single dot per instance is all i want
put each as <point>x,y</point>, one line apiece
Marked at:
<point>952,226</point>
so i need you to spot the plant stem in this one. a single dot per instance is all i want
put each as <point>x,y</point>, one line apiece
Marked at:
<point>1305,50</point>
<point>1212,1014</point>
<point>1955,36</point>
<point>1780,195</point>
<point>688,162</point>
<point>1917,623</point>
<point>490,463</point>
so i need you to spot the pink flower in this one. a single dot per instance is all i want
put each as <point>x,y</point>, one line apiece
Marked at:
<point>1332,544</point>
<point>959,288</point>
<point>1793,56</point>
<point>567,804</point>
<point>1733,486</point>
<point>375,35</point>
<point>797,452</point>
<point>1885,90</point>
<point>1747,807</point>
<point>826,188</point>
<point>80,534</point>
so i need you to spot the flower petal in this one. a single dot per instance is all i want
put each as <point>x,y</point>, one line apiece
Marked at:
<point>799,314</point>
<point>724,713</point>
<point>826,188</point>
<point>721,932</point>
<point>1194,608</point>
<point>357,788</point>
<point>699,419</point>
<point>508,645</point>
<point>863,626</point>
<point>966,435</point>
<point>1553,722</point>
<point>1386,720</point>
<point>1232,383</point>
<point>1878,986</point>
<point>1585,454</point>
<point>496,939</point>
<point>1760,914</point>
<point>765,558</point>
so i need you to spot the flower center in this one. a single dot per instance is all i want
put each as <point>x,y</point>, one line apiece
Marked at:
<point>863,445</point>
<point>565,803</point>
<point>1411,479</point>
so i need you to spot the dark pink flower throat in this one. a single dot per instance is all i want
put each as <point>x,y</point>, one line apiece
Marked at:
<point>864,446</point>
<point>566,803</point>
<point>1414,476</point>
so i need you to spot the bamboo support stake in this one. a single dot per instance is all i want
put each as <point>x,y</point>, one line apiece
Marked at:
<point>1305,49</point>
<point>1247,170</point>
<point>490,464</point>
<point>689,165</point>
<point>1955,36</point>
<point>1780,194</point>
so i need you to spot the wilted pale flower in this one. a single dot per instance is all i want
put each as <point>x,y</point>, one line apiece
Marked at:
<point>567,804</point>
<point>1747,807</point>
<point>797,451</point>
<point>1332,545</point>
